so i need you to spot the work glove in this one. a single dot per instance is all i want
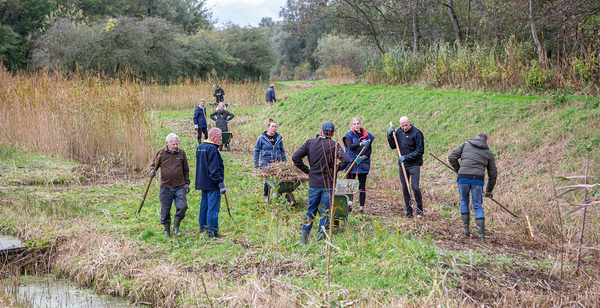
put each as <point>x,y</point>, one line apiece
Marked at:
<point>187,188</point>
<point>196,126</point>
<point>360,159</point>
<point>223,189</point>
<point>401,159</point>
<point>392,129</point>
<point>365,142</point>
<point>227,120</point>
<point>152,174</point>
<point>489,194</point>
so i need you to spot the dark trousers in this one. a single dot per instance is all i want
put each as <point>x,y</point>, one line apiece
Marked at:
<point>414,174</point>
<point>210,205</point>
<point>167,196</point>
<point>202,130</point>
<point>362,183</point>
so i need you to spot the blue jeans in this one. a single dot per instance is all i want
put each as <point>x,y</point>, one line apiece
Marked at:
<point>210,205</point>
<point>167,196</point>
<point>318,200</point>
<point>476,192</point>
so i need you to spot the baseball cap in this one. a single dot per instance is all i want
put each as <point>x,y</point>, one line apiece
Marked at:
<point>328,128</point>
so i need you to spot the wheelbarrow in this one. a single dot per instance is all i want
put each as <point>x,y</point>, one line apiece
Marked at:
<point>225,139</point>
<point>284,188</point>
<point>342,200</point>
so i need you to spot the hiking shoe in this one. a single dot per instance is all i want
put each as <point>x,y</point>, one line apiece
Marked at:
<point>408,215</point>
<point>361,212</point>
<point>419,215</point>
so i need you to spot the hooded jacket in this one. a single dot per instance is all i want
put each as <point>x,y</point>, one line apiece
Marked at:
<point>174,168</point>
<point>268,152</point>
<point>475,156</point>
<point>319,151</point>
<point>222,117</point>
<point>353,148</point>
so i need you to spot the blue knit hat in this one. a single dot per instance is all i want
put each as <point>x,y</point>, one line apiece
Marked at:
<point>328,128</point>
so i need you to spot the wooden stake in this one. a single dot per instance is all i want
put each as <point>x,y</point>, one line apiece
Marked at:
<point>529,225</point>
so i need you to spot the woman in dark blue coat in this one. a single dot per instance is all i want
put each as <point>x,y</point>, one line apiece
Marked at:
<point>269,147</point>
<point>355,141</point>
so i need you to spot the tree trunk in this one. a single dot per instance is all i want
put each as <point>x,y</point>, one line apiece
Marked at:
<point>416,32</point>
<point>536,40</point>
<point>468,21</point>
<point>454,22</point>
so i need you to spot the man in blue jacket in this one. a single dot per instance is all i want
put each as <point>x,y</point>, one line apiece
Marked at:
<point>200,120</point>
<point>210,173</point>
<point>412,147</point>
<point>270,96</point>
<point>219,94</point>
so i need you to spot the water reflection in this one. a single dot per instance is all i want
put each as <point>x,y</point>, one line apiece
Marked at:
<point>49,291</point>
<point>9,242</point>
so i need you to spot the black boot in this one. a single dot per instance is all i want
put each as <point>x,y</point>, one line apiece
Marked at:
<point>466,219</point>
<point>304,238</point>
<point>167,229</point>
<point>480,228</point>
<point>176,226</point>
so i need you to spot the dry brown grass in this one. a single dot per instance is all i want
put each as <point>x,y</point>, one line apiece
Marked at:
<point>187,93</point>
<point>88,119</point>
<point>337,75</point>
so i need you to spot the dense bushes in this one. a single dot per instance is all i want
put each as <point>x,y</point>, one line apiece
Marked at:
<point>152,48</point>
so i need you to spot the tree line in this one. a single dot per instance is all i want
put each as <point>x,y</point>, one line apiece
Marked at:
<point>382,41</point>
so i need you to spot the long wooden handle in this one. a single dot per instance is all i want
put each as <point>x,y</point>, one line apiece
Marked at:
<point>441,161</point>
<point>491,198</point>
<point>149,182</point>
<point>354,162</point>
<point>402,164</point>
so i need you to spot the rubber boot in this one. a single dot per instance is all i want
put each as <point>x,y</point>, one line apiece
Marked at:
<point>480,228</point>
<point>304,238</point>
<point>167,229</point>
<point>176,226</point>
<point>320,236</point>
<point>466,219</point>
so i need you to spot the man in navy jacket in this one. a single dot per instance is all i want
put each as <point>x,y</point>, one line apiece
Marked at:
<point>210,173</point>
<point>200,120</point>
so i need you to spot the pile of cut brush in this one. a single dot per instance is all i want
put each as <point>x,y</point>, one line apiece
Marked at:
<point>282,172</point>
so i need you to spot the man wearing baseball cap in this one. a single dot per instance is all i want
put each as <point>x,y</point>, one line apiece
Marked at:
<point>322,154</point>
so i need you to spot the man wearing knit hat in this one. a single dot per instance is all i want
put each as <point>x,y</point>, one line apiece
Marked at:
<point>323,153</point>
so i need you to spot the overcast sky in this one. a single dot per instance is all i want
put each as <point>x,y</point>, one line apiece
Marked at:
<point>244,12</point>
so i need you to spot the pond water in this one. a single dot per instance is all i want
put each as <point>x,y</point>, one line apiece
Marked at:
<point>48,291</point>
<point>9,242</point>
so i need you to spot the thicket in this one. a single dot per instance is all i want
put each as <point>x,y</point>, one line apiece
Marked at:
<point>89,119</point>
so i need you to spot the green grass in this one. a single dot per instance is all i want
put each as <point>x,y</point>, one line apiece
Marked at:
<point>376,258</point>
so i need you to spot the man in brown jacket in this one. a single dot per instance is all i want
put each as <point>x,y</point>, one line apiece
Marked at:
<point>174,183</point>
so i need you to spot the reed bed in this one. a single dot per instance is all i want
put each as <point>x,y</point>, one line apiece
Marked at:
<point>85,118</point>
<point>510,67</point>
<point>187,93</point>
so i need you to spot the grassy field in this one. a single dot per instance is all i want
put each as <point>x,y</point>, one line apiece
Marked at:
<point>81,218</point>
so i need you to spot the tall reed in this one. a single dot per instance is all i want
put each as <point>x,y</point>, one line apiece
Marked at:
<point>510,67</point>
<point>88,119</point>
<point>187,92</point>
